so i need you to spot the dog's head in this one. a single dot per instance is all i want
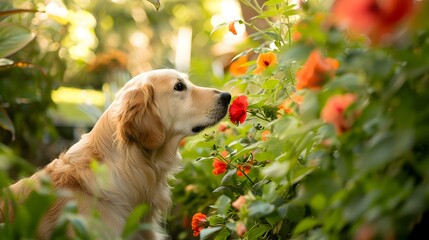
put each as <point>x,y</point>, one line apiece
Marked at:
<point>164,104</point>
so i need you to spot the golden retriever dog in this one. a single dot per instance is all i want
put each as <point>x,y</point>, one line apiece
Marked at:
<point>136,140</point>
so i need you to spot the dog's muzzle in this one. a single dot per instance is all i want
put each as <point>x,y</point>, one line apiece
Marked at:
<point>217,113</point>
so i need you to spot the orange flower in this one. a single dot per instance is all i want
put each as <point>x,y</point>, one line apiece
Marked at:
<point>231,27</point>
<point>224,153</point>
<point>265,134</point>
<point>334,111</point>
<point>298,99</point>
<point>182,142</point>
<point>241,169</point>
<point>222,127</point>
<point>296,36</point>
<point>238,67</point>
<point>238,109</point>
<point>239,202</point>
<point>374,18</point>
<point>199,221</point>
<point>265,60</point>
<point>240,229</point>
<point>219,166</point>
<point>314,72</point>
<point>286,104</point>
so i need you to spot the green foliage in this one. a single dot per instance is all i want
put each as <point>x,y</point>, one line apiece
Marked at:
<point>22,72</point>
<point>309,178</point>
<point>13,38</point>
<point>133,224</point>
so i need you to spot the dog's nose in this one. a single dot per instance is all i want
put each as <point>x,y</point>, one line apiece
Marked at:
<point>225,98</point>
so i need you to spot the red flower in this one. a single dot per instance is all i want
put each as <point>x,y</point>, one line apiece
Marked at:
<point>374,18</point>
<point>314,72</point>
<point>237,110</point>
<point>334,111</point>
<point>219,166</point>
<point>242,168</point>
<point>199,222</point>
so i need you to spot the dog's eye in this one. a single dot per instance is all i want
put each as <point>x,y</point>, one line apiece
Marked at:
<point>179,87</point>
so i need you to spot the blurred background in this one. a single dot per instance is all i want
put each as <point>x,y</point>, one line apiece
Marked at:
<point>79,52</point>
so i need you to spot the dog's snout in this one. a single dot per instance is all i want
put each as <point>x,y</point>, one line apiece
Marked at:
<point>225,98</point>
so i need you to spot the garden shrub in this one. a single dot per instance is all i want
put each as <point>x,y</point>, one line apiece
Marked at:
<point>327,135</point>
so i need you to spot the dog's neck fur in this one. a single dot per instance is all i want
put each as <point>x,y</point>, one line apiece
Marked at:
<point>133,177</point>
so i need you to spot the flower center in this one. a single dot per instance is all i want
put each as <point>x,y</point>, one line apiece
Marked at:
<point>374,7</point>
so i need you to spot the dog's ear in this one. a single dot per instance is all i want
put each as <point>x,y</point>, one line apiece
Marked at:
<point>138,118</point>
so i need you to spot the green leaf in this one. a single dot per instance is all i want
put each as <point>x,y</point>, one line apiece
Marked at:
<point>219,189</point>
<point>273,2</point>
<point>216,220</point>
<point>155,3</point>
<point>270,84</point>
<point>269,13</point>
<point>223,204</point>
<point>291,212</point>
<point>258,231</point>
<point>385,147</point>
<point>228,176</point>
<point>30,212</point>
<point>5,6</point>
<point>79,224</point>
<point>220,26</point>
<point>203,158</point>
<point>243,54</point>
<point>318,202</point>
<point>348,82</point>
<point>305,225</point>
<point>259,209</point>
<point>223,234</point>
<point>133,221</point>
<point>277,169</point>
<point>13,37</point>
<point>230,150</point>
<point>207,232</point>
<point>6,123</point>
<point>269,192</point>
